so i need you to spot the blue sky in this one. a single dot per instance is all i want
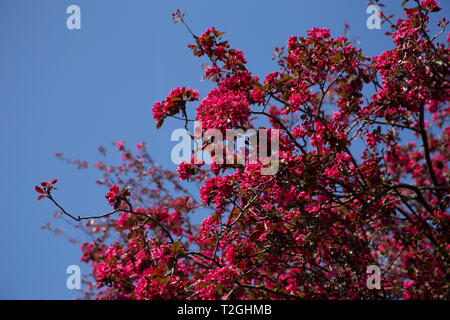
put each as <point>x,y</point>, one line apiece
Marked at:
<point>72,90</point>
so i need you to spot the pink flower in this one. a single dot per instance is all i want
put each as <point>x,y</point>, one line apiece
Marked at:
<point>120,145</point>
<point>172,104</point>
<point>112,195</point>
<point>257,95</point>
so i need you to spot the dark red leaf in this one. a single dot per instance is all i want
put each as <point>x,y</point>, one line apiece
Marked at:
<point>39,189</point>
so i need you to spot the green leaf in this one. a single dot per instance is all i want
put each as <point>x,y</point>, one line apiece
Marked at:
<point>176,246</point>
<point>165,280</point>
<point>171,262</point>
<point>218,287</point>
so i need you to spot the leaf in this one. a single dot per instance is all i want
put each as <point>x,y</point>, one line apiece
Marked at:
<point>165,280</point>
<point>176,246</point>
<point>198,53</point>
<point>204,284</point>
<point>41,196</point>
<point>38,189</point>
<point>159,124</point>
<point>171,262</point>
<point>258,86</point>
<point>157,272</point>
<point>218,287</point>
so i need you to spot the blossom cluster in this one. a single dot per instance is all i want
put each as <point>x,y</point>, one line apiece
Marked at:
<point>175,101</point>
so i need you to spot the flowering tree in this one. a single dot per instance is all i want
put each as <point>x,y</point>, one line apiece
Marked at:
<point>363,179</point>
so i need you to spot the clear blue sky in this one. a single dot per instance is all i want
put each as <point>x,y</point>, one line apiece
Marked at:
<point>72,90</point>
